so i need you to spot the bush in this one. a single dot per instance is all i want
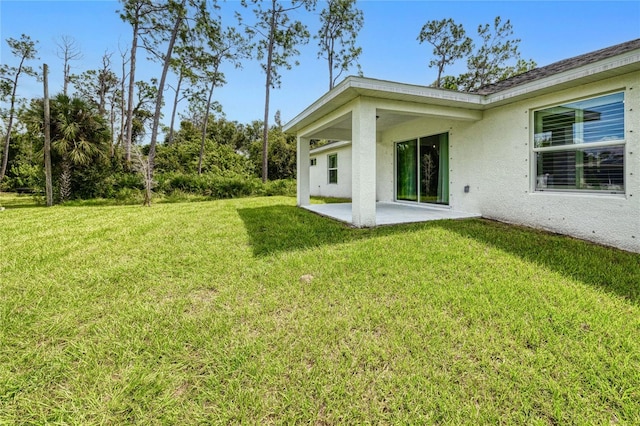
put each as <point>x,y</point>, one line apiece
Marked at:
<point>208,184</point>
<point>279,187</point>
<point>218,186</point>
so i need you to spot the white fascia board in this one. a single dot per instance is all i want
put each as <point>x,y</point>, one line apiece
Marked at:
<point>329,147</point>
<point>390,90</point>
<point>353,87</point>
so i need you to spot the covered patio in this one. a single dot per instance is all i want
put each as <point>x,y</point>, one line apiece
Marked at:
<point>361,111</point>
<point>390,213</point>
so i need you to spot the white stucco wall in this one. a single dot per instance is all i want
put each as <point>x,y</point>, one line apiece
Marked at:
<point>494,157</point>
<point>319,185</point>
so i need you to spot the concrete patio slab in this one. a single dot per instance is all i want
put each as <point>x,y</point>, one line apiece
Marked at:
<point>391,213</point>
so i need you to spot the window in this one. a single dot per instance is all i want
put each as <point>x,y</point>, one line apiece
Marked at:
<point>313,161</point>
<point>332,162</point>
<point>580,146</point>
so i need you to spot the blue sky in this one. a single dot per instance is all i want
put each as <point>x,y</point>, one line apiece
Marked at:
<point>550,31</point>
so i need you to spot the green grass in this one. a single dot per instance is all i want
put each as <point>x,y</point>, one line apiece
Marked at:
<point>192,313</point>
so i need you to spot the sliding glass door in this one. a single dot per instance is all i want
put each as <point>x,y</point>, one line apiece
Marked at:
<point>422,170</point>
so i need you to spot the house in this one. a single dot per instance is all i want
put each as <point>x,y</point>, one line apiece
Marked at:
<point>556,148</point>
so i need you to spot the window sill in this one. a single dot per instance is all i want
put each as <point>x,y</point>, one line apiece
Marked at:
<point>580,194</point>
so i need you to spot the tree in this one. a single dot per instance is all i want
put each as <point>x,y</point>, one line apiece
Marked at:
<point>282,152</point>
<point>24,49</point>
<point>449,42</point>
<point>68,50</point>
<point>183,66</point>
<point>79,140</point>
<point>142,112</point>
<point>341,22</point>
<point>47,137</point>
<point>176,12</point>
<point>139,14</point>
<point>220,46</point>
<point>494,60</point>
<point>279,37</point>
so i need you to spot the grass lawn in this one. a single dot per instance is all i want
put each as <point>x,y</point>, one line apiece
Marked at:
<point>196,313</point>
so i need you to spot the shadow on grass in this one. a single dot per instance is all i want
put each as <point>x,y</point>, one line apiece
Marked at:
<point>613,270</point>
<point>12,201</point>
<point>287,228</point>
<point>283,228</point>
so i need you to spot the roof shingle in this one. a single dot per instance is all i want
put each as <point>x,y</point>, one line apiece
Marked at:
<point>560,66</point>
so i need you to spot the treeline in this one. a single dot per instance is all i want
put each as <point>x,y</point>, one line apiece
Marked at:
<point>103,130</point>
<point>105,125</point>
<point>87,164</point>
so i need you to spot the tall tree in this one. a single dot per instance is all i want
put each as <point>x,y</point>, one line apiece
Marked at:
<point>221,46</point>
<point>183,65</point>
<point>175,14</point>
<point>497,58</point>
<point>24,50</point>
<point>138,13</point>
<point>47,137</point>
<point>279,38</point>
<point>449,41</point>
<point>123,109</point>
<point>68,50</point>
<point>341,22</point>
<point>96,86</point>
<point>101,88</point>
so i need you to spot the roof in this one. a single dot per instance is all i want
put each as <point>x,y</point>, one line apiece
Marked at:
<point>591,67</point>
<point>560,66</point>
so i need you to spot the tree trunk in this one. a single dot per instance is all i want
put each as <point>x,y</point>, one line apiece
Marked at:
<point>204,127</point>
<point>112,120</point>
<point>47,138</point>
<point>65,180</point>
<point>123,111</point>
<point>67,71</point>
<point>265,130</point>
<point>156,115</point>
<point>5,153</point>
<point>175,108</point>
<point>132,81</point>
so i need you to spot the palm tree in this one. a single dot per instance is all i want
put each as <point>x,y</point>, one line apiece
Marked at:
<point>79,136</point>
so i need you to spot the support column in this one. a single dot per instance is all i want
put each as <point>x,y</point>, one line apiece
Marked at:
<point>363,167</point>
<point>302,176</point>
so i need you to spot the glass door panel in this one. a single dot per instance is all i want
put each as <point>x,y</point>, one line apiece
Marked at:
<point>406,170</point>
<point>422,170</point>
<point>429,169</point>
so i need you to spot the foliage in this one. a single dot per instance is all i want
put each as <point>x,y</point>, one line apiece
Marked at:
<point>341,22</point>
<point>196,313</point>
<point>79,141</point>
<point>23,50</point>
<point>496,59</point>
<point>208,184</point>
<point>97,86</point>
<point>282,154</point>
<point>449,41</point>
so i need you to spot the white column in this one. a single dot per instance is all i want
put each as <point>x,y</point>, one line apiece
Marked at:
<point>302,165</point>
<point>363,168</point>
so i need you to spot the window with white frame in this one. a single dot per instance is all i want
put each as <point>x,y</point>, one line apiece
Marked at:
<point>579,146</point>
<point>314,161</point>
<point>332,168</point>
